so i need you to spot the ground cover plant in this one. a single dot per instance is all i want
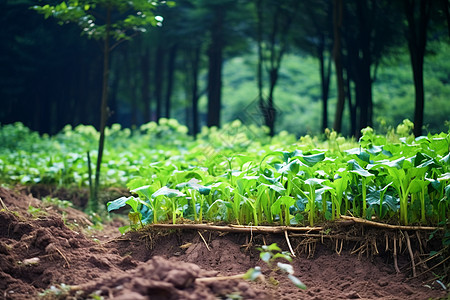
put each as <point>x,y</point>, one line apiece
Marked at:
<point>239,177</point>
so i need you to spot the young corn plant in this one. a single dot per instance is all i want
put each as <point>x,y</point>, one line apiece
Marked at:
<point>313,187</point>
<point>365,177</point>
<point>337,191</point>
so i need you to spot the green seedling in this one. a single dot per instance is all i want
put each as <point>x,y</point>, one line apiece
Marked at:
<point>270,254</point>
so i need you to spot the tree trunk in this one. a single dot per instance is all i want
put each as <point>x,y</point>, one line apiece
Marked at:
<point>145,70</point>
<point>170,73</point>
<point>195,96</point>
<point>417,41</point>
<point>158,77</point>
<point>325,75</point>
<point>351,105</point>
<point>337,21</point>
<point>270,112</point>
<point>215,69</point>
<point>94,203</point>
<point>364,90</point>
<point>446,8</point>
<point>260,56</point>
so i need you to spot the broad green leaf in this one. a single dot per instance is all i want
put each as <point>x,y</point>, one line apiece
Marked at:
<point>265,256</point>
<point>121,202</point>
<point>314,181</point>
<point>282,255</point>
<point>397,163</point>
<point>354,167</point>
<point>170,193</point>
<point>313,159</point>
<point>417,185</point>
<point>444,177</point>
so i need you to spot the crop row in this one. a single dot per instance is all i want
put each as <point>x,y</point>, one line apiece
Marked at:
<point>406,181</point>
<point>238,174</point>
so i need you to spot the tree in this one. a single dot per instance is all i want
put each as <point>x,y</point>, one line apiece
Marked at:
<point>105,21</point>
<point>215,57</point>
<point>337,25</point>
<point>370,29</point>
<point>274,18</point>
<point>313,34</point>
<point>418,16</point>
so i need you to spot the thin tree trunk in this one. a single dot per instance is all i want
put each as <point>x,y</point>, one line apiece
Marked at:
<point>145,70</point>
<point>260,56</point>
<point>195,96</point>
<point>337,20</point>
<point>363,66</point>
<point>158,77</point>
<point>170,73</point>
<point>417,41</point>
<point>325,75</point>
<point>215,69</point>
<point>351,105</point>
<point>94,205</point>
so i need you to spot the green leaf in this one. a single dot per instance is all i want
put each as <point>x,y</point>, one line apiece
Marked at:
<point>444,177</point>
<point>417,185</point>
<point>124,229</point>
<point>313,159</point>
<point>314,181</point>
<point>121,202</point>
<point>283,256</point>
<point>297,282</point>
<point>253,274</point>
<point>165,191</point>
<point>273,247</point>
<point>265,256</point>
<point>357,169</point>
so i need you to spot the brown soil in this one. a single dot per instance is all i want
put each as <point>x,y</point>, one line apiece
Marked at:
<point>40,251</point>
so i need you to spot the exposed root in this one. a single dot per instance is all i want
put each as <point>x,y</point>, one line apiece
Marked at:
<point>289,244</point>
<point>395,255</point>
<point>4,206</point>
<point>340,249</point>
<point>307,246</point>
<point>408,243</point>
<point>204,241</point>
<point>432,268</point>
<point>238,228</point>
<point>374,246</point>
<point>62,255</point>
<point>389,226</point>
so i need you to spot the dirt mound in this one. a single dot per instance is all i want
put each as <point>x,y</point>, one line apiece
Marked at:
<point>327,275</point>
<point>38,252</point>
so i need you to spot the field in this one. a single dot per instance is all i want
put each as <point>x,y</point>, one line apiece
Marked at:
<point>352,219</point>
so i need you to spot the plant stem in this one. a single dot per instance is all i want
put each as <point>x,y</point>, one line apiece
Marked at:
<point>364,192</point>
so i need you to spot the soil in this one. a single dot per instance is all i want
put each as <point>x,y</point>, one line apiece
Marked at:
<point>46,256</point>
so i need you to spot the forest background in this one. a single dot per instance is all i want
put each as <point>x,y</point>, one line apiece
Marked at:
<point>300,66</point>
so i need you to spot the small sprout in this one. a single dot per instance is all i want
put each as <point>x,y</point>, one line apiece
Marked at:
<point>253,274</point>
<point>270,253</point>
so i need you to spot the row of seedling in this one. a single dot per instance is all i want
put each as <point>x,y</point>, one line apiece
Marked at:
<point>407,181</point>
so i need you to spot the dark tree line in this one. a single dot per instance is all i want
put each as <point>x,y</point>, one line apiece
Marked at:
<point>50,76</point>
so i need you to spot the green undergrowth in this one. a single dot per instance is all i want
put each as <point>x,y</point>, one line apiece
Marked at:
<point>238,174</point>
